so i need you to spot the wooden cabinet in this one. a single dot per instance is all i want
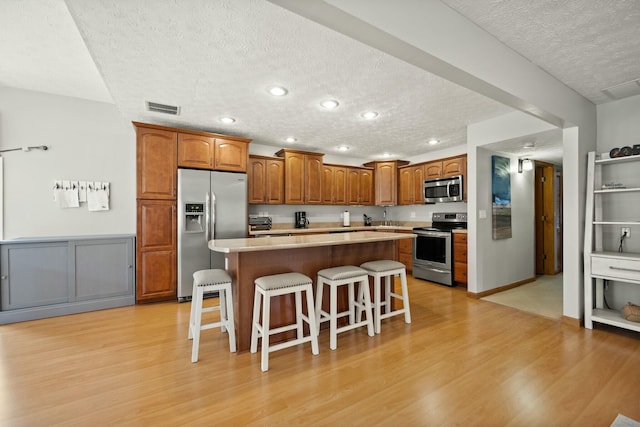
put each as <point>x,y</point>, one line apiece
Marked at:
<point>156,153</point>
<point>230,155</point>
<point>405,251</point>
<point>266,180</point>
<point>359,186</point>
<point>433,169</point>
<point>334,185</point>
<point>454,166</point>
<point>160,150</point>
<point>385,180</point>
<point>460,258</point>
<point>199,151</point>
<point>411,184</point>
<point>195,151</point>
<point>156,250</point>
<point>302,177</point>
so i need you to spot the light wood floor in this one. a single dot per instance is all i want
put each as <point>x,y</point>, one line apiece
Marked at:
<point>461,362</point>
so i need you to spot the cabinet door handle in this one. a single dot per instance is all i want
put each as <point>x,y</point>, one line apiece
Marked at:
<point>3,277</point>
<point>624,269</point>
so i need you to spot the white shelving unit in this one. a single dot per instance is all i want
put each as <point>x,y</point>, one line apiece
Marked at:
<point>602,265</point>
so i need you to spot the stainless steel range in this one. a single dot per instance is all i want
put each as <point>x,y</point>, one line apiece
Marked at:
<point>433,249</point>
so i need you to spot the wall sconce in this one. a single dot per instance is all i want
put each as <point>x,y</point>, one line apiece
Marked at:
<point>525,165</point>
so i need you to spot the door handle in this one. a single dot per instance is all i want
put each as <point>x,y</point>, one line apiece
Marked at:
<point>624,269</point>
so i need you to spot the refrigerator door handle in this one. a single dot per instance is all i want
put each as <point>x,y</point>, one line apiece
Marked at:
<point>213,215</point>
<point>206,218</point>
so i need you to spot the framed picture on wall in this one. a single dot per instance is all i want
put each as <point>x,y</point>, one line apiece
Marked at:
<point>501,194</point>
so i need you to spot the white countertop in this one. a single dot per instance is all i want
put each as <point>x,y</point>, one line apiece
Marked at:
<point>275,231</point>
<point>303,241</point>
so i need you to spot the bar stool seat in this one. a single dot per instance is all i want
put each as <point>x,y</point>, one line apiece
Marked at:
<point>210,281</point>
<point>388,269</point>
<point>275,285</point>
<point>339,276</point>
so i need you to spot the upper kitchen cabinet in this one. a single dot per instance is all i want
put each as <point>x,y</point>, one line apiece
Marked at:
<point>195,151</point>
<point>454,166</point>
<point>202,150</point>
<point>231,155</point>
<point>266,180</point>
<point>386,181</point>
<point>359,186</point>
<point>334,185</point>
<point>411,185</point>
<point>433,169</point>
<point>302,177</point>
<point>156,153</point>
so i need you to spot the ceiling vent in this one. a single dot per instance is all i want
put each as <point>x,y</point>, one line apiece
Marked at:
<point>162,108</point>
<point>623,90</point>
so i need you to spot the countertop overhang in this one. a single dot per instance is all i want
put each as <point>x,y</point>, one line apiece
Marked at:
<point>303,241</point>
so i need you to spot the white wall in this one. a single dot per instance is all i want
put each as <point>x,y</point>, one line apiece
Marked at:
<point>88,141</point>
<point>495,263</point>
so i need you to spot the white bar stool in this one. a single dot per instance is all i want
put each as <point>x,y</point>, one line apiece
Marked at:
<point>388,269</point>
<point>209,281</point>
<point>338,276</point>
<point>281,284</point>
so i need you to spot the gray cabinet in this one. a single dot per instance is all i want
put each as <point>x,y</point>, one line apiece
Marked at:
<point>53,277</point>
<point>34,275</point>
<point>101,268</point>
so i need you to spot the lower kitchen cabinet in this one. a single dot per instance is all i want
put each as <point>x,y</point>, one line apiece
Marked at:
<point>156,251</point>
<point>57,276</point>
<point>405,252</point>
<point>460,258</point>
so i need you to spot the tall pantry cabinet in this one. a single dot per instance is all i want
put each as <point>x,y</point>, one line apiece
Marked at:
<point>156,152</point>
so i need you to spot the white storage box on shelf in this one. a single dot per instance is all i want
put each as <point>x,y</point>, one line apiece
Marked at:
<point>602,263</point>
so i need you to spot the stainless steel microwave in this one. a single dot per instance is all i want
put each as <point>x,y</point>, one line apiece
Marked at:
<point>441,190</point>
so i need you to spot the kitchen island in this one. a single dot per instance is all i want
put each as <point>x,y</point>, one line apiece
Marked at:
<point>248,259</point>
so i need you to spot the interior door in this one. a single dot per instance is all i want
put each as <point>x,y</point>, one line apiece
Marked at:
<point>545,206</point>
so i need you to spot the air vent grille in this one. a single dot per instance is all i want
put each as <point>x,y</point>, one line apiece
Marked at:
<point>162,108</point>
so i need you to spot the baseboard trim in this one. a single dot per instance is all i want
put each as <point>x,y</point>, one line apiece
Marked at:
<point>501,288</point>
<point>571,321</point>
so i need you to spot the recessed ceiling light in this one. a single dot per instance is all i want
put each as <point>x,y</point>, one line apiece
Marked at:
<point>278,91</point>
<point>343,148</point>
<point>529,145</point>
<point>227,120</point>
<point>369,115</point>
<point>433,141</point>
<point>290,139</point>
<point>386,155</point>
<point>330,104</point>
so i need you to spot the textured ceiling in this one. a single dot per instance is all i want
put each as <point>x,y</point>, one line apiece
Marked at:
<point>217,58</point>
<point>589,45</point>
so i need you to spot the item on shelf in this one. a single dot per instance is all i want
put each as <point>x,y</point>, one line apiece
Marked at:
<point>615,152</point>
<point>636,149</point>
<point>612,185</point>
<point>260,223</point>
<point>631,312</point>
<point>626,151</point>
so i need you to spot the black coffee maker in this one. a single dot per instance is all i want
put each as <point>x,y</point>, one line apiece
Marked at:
<point>301,219</point>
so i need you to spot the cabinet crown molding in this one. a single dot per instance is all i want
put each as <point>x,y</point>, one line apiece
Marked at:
<point>190,131</point>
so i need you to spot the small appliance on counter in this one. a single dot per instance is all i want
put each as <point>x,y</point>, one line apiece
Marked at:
<point>367,220</point>
<point>260,223</point>
<point>301,219</point>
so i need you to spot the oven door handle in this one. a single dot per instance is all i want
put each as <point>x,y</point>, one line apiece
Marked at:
<point>438,270</point>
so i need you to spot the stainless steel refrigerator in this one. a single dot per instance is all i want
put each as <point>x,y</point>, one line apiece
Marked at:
<point>211,205</point>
